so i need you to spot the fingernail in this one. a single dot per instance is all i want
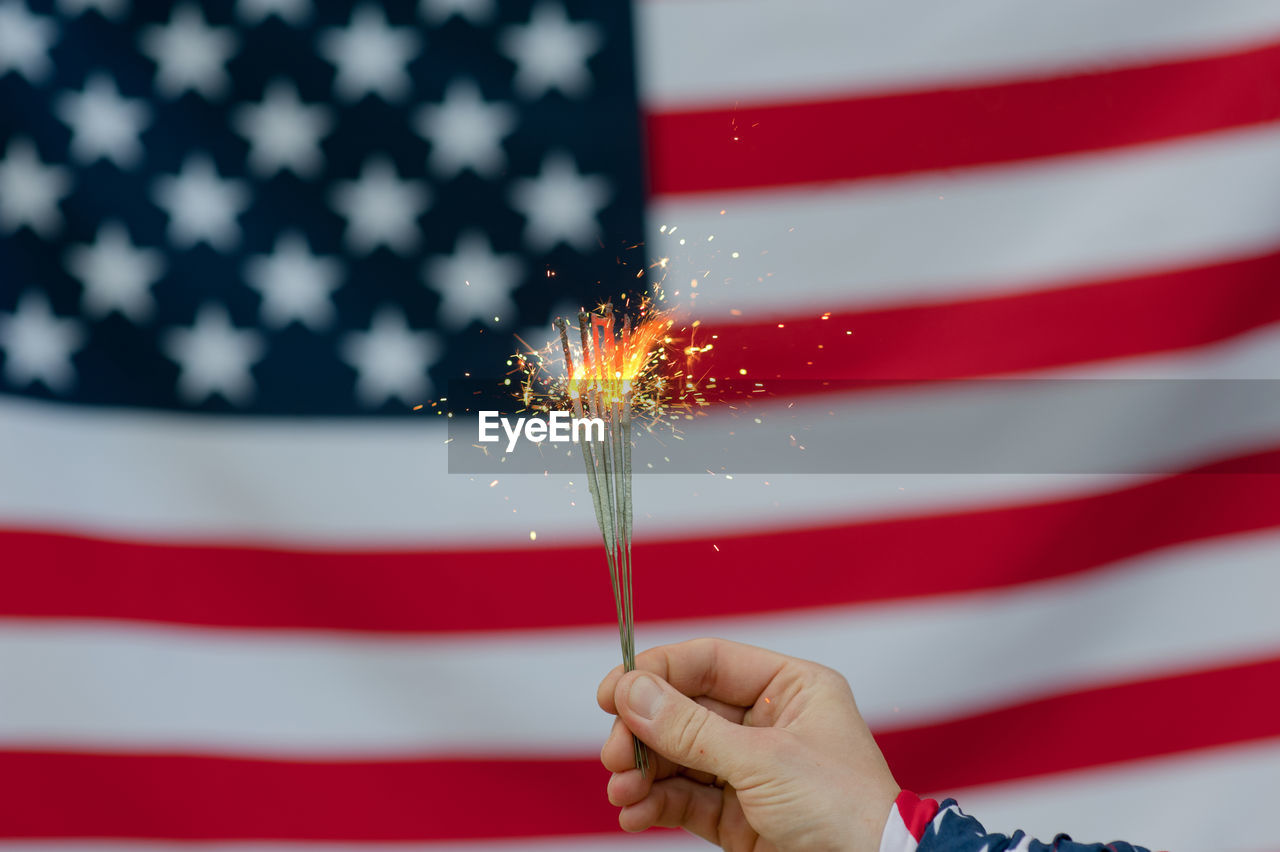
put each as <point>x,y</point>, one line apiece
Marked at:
<point>646,697</point>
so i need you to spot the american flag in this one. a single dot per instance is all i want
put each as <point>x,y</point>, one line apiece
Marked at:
<point>244,603</point>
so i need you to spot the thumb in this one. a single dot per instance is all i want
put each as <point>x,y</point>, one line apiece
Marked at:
<point>680,729</point>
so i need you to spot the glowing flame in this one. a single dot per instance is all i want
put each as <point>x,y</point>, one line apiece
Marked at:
<point>613,362</point>
<point>604,362</point>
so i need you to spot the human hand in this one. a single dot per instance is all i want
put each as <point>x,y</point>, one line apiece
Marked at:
<point>754,750</point>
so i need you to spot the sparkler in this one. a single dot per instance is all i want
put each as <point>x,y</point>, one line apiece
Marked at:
<point>601,387</point>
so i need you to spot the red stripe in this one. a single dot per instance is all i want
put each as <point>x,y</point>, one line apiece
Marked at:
<point>524,588</point>
<point>205,798</point>
<point>1090,728</point>
<point>1049,328</point>
<point>49,794</point>
<point>780,144</point>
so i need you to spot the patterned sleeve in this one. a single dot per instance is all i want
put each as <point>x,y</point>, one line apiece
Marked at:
<point>922,825</point>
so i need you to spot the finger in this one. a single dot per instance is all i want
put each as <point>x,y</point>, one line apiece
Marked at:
<point>619,752</point>
<point>731,672</point>
<point>677,803</point>
<point>629,787</point>
<point>604,692</point>
<point>652,660</point>
<point>619,755</point>
<point>685,732</point>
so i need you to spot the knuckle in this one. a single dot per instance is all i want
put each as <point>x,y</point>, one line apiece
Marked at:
<point>829,677</point>
<point>690,730</point>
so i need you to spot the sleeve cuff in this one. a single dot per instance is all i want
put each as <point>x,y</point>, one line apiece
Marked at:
<point>909,817</point>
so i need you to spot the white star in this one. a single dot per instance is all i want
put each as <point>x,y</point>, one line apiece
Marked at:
<point>936,824</point>
<point>201,205</point>
<point>465,131</point>
<point>390,359</point>
<point>254,12</point>
<point>109,9</point>
<point>214,357</point>
<point>30,190</point>
<point>475,282</point>
<point>38,346</point>
<point>294,283</point>
<point>116,274</point>
<point>102,123</point>
<point>283,132</point>
<point>438,11</point>
<point>25,40</point>
<point>370,56</point>
<point>560,205</point>
<point>380,207</point>
<point>551,52</point>
<point>189,54</point>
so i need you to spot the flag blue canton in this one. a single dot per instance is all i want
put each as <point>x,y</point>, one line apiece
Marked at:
<point>286,207</point>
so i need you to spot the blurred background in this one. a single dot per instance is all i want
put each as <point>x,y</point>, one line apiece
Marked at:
<point>244,603</point>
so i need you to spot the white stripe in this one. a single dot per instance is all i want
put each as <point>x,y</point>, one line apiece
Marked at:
<point>112,686</point>
<point>943,236</point>
<point>318,483</point>
<point>1209,801</point>
<point>1115,426</point>
<point>704,52</point>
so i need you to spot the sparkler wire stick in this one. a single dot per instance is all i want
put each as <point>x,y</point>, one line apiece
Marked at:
<point>642,753</point>
<point>626,517</point>
<point>596,458</point>
<point>612,355</point>
<point>615,435</point>
<point>606,367</point>
<point>619,354</point>
<point>583,398</point>
<point>599,389</point>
